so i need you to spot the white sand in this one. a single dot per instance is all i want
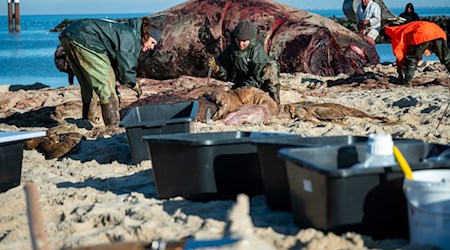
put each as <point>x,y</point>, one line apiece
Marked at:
<point>97,196</point>
<point>4,88</point>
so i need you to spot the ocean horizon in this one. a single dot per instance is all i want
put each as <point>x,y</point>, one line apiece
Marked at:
<point>27,57</point>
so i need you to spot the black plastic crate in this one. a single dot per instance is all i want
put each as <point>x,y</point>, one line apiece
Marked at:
<point>326,193</point>
<point>11,154</point>
<point>273,168</point>
<point>156,119</point>
<point>206,166</point>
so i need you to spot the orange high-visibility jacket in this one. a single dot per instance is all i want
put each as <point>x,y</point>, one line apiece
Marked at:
<point>412,33</point>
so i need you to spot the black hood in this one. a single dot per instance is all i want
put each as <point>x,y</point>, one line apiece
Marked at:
<point>409,5</point>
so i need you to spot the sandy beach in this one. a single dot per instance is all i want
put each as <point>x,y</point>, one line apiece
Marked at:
<point>95,195</point>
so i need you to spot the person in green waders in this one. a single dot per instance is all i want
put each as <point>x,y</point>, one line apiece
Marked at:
<point>245,63</point>
<point>101,51</point>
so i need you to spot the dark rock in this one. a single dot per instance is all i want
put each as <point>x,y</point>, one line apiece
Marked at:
<point>406,102</point>
<point>429,109</point>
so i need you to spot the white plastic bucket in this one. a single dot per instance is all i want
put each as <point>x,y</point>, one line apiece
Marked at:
<point>428,195</point>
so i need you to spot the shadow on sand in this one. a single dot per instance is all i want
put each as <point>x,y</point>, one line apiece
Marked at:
<point>141,182</point>
<point>104,150</point>
<point>35,86</point>
<point>36,118</point>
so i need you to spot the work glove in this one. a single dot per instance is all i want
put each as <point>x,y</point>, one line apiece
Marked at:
<point>137,89</point>
<point>213,65</point>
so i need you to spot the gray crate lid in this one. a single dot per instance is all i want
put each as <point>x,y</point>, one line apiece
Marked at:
<point>216,138</point>
<point>299,140</point>
<point>161,114</point>
<point>325,159</point>
<point>19,135</point>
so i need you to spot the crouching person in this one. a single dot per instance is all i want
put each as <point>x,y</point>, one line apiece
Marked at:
<point>102,51</point>
<point>410,41</point>
<point>245,63</point>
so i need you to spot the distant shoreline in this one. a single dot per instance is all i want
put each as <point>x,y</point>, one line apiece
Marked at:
<point>422,11</point>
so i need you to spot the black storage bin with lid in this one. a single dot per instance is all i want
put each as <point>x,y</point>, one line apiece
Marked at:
<point>11,154</point>
<point>328,194</point>
<point>156,119</point>
<point>273,168</point>
<point>206,166</point>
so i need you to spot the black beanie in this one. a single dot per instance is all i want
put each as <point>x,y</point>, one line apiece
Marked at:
<point>245,30</point>
<point>155,33</point>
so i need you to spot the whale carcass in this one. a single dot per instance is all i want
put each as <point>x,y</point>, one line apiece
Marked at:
<point>299,40</point>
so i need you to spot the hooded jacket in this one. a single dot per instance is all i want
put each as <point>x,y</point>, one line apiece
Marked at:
<point>243,67</point>
<point>411,34</point>
<point>121,42</point>
<point>410,16</point>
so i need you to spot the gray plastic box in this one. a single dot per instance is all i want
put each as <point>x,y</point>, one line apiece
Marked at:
<point>206,166</point>
<point>11,154</point>
<point>328,194</point>
<point>156,119</point>
<point>273,168</point>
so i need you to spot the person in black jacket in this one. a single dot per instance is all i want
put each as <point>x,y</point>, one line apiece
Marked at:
<point>409,14</point>
<point>101,51</point>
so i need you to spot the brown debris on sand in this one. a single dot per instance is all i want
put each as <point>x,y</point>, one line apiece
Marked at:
<point>333,112</point>
<point>58,142</point>
<point>240,99</point>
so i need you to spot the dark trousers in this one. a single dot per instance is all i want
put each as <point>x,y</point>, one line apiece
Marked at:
<point>414,53</point>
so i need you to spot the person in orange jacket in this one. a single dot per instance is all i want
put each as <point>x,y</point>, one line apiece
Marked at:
<point>410,41</point>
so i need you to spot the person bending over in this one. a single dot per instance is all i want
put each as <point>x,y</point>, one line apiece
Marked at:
<point>410,41</point>
<point>102,51</point>
<point>245,63</point>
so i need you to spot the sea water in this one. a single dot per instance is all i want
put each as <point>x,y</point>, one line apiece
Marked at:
<point>27,57</point>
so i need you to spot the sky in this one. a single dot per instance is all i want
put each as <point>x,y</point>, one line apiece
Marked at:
<point>41,7</point>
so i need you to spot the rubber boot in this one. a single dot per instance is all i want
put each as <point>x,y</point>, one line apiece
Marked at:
<point>275,93</point>
<point>85,112</point>
<point>110,111</point>
<point>409,75</point>
<point>90,111</point>
<point>400,77</point>
<point>93,116</point>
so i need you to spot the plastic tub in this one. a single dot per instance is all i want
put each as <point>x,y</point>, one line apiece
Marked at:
<point>328,194</point>
<point>156,119</point>
<point>273,169</point>
<point>11,154</point>
<point>428,196</point>
<point>206,166</point>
